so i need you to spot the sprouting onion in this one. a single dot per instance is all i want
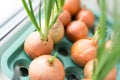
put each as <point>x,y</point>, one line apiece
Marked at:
<point>40,42</point>
<point>31,14</point>
<point>49,5</point>
<point>107,61</point>
<point>101,28</point>
<point>51,60</point>
<point>46,67</point>
<point>100,33</point>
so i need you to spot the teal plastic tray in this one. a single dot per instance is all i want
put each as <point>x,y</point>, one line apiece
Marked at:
<point>15,55</point>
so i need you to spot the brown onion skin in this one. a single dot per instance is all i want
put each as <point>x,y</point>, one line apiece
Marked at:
<point>88,71</point>
<point>76,30</point>
<point>41,69</point>
<point>35,47</point>
<point>72,6</point>
<point>83,50</point>
<point>86,16</point>
<point>57,32</point>
<point>65,18</point>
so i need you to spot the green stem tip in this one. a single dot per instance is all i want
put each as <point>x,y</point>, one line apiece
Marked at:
<point>53,58</point>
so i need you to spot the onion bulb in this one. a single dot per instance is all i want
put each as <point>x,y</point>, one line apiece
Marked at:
<point>86,16</point>
<point>76,30</point>
<point>41,69</point>
<point>35,47</point>
<point>88,71</point>
<point>72,6</point>
<point>65,18</point>
<point>83,50</point>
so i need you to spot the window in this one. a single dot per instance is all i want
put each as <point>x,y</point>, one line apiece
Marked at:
<point>11,14</point>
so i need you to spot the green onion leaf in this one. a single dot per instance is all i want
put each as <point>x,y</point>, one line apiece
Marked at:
<point>30,13</point>
<point>110,58</point>
<point>61,3</point>
<point>48,9</point>
<point>53,21</point>
<point>100,33</point>
<point>40,5</point>
<point>56,1</point>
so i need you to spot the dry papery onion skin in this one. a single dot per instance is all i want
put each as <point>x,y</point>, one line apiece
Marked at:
<point>57,32</point>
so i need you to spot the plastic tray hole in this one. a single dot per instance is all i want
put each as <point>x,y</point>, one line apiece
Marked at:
<point>72,77</point>
<point>73,73</point>
<point>63,51</point>
<point>24,71</point>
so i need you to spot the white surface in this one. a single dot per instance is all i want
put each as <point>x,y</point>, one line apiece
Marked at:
<point>92,4</point>
<point>2,76</point>
<point>8,8</point>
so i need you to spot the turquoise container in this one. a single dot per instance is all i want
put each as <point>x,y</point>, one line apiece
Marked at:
<point>15,55</point>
